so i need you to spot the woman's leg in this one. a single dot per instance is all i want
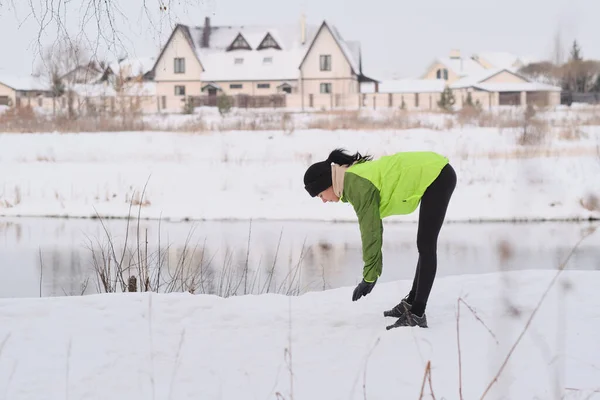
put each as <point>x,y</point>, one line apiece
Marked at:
<point>434,205</point>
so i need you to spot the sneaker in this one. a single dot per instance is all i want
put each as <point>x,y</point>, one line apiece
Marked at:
<point>409,319</point>
<point>398,310</point>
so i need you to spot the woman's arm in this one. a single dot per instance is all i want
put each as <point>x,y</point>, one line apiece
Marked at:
<point>364,197</point>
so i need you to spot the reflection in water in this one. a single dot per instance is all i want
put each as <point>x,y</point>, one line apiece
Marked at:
<point>228,258</point>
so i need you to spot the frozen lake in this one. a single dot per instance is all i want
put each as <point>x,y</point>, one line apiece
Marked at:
<point>303,256</point>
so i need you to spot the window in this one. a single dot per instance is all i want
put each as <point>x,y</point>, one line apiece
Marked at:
<point>442,74</point>
<point>238,61</point>
<point>164,101</point>
<point>268,60</point>
<point>239,43</point>
<point>235,86</point>
<point>179,90</point>
<point>325,87</point>
<point>268,43</point>
<point>263,85</point>
<point>325,62</point>
<point>179,65</point>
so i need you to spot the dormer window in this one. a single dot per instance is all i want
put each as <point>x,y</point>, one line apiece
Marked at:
<point>238,61</point>
<point>268,43</point>
<point>268,60</point>
<point>239,43</point>
<point>442,74</point>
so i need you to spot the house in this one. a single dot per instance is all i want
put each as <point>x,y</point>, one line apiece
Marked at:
<point>452,68</point>
<point>83,74</point>
<point>309,65</point>
<point>491,78</point>
<point>131,96</point>
<point>18,91</point>
<point>129,69</point>
<point>502,86</point>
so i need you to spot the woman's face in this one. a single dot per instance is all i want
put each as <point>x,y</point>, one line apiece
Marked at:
<point>327,195</point>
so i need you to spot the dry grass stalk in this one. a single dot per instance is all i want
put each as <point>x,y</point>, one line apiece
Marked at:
<point>562,266</point>
<point>427,377</point>
<point>458,302</point>
<point>364,385</point>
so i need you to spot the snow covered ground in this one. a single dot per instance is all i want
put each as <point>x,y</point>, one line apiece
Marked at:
<point>315,346</point>
<point>319,345</point>
<point>258,174</point>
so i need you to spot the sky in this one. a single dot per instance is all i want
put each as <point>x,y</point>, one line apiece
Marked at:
<point>399,38</point>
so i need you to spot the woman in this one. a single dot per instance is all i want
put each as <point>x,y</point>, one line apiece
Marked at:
<point>390,185</point>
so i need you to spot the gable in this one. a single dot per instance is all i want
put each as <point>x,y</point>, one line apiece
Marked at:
<point>339,43</point>
<point>432,72</point>
<point>504,76</point>
<point>178,46</point>
<point>239,43</point>
<point>178,39</point>
<point>268,43</point>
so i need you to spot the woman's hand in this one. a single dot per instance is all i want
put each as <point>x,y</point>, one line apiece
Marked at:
<point>363,289</point>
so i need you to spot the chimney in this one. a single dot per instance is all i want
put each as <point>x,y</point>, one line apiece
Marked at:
<point>303,28</point>
<point>206,33</point>
<point>455,53</point>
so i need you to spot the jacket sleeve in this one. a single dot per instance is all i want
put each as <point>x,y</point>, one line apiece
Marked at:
<point>364,197</point>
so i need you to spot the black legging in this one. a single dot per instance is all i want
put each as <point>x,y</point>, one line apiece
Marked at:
<point>434,204</point>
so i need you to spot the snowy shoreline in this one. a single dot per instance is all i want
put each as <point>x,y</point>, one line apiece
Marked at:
<point>152,345</point>
<point>257,175</point>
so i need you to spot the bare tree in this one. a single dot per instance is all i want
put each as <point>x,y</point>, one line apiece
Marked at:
<point>102,24</point>
<point>579,74</point>
<point>63,64</point>
<point>543,71</point>
<point>558,52</point>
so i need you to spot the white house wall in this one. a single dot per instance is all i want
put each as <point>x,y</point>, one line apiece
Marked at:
<point>340,76</point>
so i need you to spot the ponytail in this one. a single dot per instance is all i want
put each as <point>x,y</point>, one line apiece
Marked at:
<point>341,157</point>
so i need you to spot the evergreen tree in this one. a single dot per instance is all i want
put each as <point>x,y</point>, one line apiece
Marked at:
<point>447,99</point>
<point>576,52</point>
<point>469,100</point>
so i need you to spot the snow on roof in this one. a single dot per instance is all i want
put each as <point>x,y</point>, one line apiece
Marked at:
<point>517,87</point>
<point>103,90</point>
<point>268,64</point>
<point>131,67</point>
<point>24,83</point>
<point>471,80</point>
<point>406,86</point>
<point>462,66</point>
<point>264,64</point>
<point>500,59</point>
<point>351,49</point>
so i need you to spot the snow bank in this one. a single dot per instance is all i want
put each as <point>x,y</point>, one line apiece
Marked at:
<point>181,346</point>
<point>259,174</point>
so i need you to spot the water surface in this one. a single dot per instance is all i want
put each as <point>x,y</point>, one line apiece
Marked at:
<point>55,257</point>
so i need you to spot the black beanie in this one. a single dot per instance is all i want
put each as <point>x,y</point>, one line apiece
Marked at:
<point>318,177</point>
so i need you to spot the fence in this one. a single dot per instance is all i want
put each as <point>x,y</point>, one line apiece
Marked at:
<point>569,98</point>
<point>242,101</point>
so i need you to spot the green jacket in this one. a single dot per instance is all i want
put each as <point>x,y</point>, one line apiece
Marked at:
<point>390,185</point>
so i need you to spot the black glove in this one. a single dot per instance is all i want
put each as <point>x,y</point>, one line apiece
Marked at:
<point>363,289</point>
